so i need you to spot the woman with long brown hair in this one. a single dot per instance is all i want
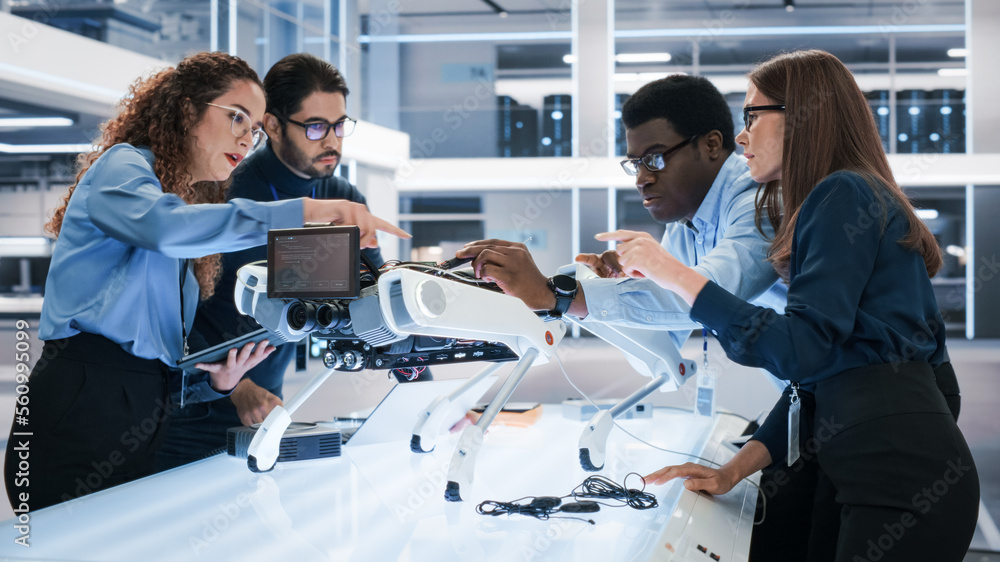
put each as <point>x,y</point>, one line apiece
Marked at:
<point>138,237</point>
<point>861,336</point>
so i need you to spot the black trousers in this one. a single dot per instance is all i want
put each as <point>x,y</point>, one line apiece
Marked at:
<point>96,415</point>
<point>797,513</point>
<point>885,473</point>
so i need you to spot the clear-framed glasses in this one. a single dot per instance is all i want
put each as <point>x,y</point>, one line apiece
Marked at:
<point>653,162</point>
<point>748,119</point>
<point>318,130</point>
<point>241,124</point>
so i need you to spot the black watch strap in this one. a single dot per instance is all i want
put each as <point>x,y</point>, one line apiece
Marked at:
<point>564,288</point>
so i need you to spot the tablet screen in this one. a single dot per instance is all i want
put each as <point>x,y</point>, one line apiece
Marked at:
<point>313,263</point>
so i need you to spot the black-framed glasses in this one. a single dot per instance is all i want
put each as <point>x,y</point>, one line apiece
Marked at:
<point>318,130</point>
<point>653,162</point>
<point>241,124</point>
<point>748,119</point>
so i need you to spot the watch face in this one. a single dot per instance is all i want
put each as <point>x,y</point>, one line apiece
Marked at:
<point>564,283</point>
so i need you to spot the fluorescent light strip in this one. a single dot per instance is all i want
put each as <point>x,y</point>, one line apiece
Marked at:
<point>449,37</point>
<point>35,122</point>
<point>807,30</point>
<point>24,241</point>
<point>45,148</point>
<point>110,94</point>
<point>629,57</point>
<point>643,57</point>
<point>642,76</point>
<point>953,72</point>
<point>682,32</point>
<point>958,53</point>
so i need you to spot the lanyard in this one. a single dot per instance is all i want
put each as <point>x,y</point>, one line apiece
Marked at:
<point>184,330</point>
<point>794,408</point>
<point>275,192</point>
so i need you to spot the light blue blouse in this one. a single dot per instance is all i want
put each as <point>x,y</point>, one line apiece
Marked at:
<point>116,265</point>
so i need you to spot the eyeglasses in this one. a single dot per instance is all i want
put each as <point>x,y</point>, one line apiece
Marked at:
<point>241,124</point>
<point>320,129</point>
<point>748,119</point>
<point>653,162</point>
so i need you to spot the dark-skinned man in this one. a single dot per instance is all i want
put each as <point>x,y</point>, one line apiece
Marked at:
<point>680,148</point>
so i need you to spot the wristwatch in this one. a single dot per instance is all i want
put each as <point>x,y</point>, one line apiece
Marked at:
<point>564,288</point>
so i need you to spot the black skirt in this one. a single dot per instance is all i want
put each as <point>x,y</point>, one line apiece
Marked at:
<point>95,416</point>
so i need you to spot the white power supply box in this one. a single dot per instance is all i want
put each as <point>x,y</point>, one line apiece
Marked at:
<point>583,410</point>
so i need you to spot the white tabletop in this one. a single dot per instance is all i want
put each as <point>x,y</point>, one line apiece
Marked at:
<point>381,502</point>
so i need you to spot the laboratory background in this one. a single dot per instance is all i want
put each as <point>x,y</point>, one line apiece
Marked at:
<point>501,119</point>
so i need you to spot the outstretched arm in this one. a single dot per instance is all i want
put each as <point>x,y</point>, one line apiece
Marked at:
<point>641,256</point>
<point>751,458</point>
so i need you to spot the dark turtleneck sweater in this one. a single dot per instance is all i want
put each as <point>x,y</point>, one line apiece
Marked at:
<point>260,177</point>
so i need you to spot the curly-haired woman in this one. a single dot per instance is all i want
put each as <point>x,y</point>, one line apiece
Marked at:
<point>138,237</point>
<point>862,337</point>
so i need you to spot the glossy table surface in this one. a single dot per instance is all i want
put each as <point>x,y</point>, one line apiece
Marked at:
<point>382,502</point>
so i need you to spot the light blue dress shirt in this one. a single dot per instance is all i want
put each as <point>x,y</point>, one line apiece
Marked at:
<point>721,242</point>
<point>116,265</point>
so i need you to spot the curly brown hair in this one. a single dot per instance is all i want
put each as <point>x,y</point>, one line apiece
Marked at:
<point>156,113</point>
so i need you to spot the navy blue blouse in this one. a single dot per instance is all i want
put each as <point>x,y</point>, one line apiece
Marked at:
<point>856,297</point>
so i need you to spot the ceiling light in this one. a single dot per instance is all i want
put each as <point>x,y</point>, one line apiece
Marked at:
<point>629,57</point>
<point>35,122</point>
<point>45,148</point>
<point>24,241</point>
<point>958,53</point>
<point>953,72</point>
<point>926,214</point>
<point>642,77</point>
<point>643,57</point>
<point>789,5</point>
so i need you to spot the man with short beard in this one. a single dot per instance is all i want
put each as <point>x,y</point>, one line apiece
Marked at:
<point>306,121</point>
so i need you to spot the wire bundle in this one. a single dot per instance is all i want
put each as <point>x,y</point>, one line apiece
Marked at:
<point>585,498</point>
<point>601,488</point>
<point>539,507</point>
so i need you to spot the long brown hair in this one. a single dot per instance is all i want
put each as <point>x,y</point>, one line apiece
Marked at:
<point>156,113</point>
<point>828,127</point>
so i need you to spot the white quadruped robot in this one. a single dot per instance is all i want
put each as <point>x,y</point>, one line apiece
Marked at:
<point>414,315</point>
<point>408,316</point>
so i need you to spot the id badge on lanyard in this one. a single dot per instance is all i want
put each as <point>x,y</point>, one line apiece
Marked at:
<point>793,425</point>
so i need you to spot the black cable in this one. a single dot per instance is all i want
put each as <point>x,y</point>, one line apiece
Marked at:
<point>601,488</point>
<point>539,507</point>
<point>371,266</point>
<point>594,487</point>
